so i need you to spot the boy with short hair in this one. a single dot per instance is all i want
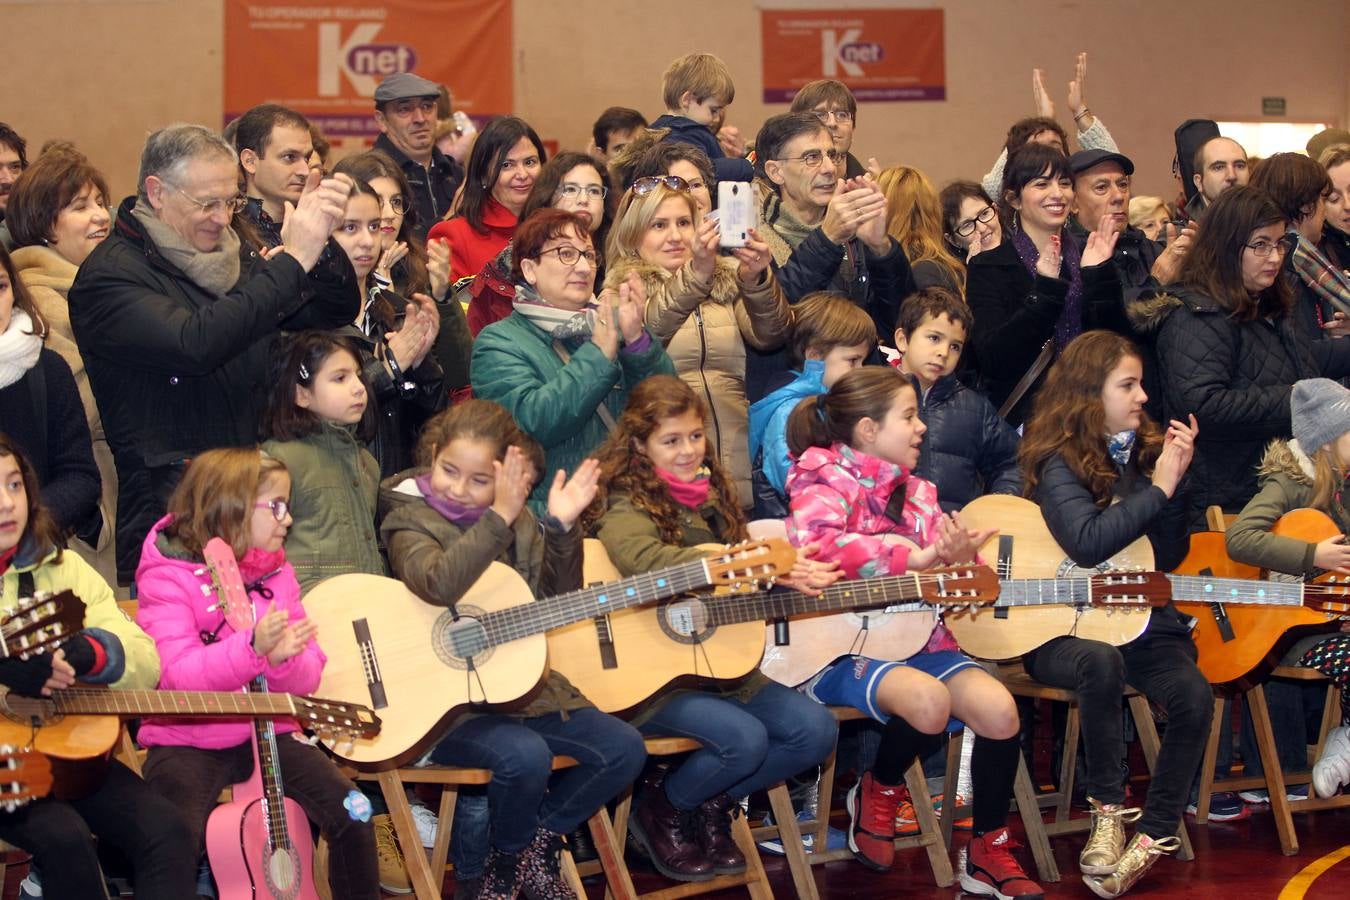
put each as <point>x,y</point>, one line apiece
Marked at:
<point>614,130</point>
<point>696,89</point>
<point>830,335</point>
<point>968,449</point>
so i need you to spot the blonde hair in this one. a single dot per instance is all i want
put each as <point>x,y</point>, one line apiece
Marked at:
<point>914,219</point>
<point>702,75</point>
<point>634,216</point>
<point>216,496</point>
<point>1328,475</point>
<point>1142,208</point>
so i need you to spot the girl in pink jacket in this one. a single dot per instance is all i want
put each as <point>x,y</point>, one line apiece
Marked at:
<point>241,496</point>
<point>851,492</point>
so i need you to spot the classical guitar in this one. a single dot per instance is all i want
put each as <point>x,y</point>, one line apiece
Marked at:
<point>417,663</point>
<point>1241,627</point>
<point>619,659</point>
<point>259,843</point>
<point>25,774</point>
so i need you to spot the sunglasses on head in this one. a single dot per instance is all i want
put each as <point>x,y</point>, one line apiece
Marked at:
<point>652,182</point>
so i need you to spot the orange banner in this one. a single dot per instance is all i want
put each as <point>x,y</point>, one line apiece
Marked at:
<point>881,54</point>
<point>324,59</point>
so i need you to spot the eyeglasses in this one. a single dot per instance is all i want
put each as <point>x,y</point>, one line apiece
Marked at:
<point>592,191</point>
<point>1263,249</point>
<point>650,183</point>
<point>211,207</point>
<point>279,508</point>
<point>397,202</point>
<point>812,159</point>
<point>841,116</point>
<point>967,227</point>
<point>568,255</point>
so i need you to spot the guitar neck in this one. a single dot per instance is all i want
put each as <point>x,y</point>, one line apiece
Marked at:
<point>888,590</point>
<point>1044,591</point>
<point>515,622</point>
<point>85,701</point>
<point>1202,589</point>
<point>269,769</point>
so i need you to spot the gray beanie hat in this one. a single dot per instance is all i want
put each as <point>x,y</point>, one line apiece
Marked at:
<point>1320,409</point>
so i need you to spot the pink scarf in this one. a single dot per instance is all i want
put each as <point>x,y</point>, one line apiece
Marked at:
<point>692,494</point>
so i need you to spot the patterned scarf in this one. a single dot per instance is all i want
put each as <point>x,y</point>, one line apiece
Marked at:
<point>1070,322</point>
<point>1324,279</point>
<point>1119,445</point>
<point>561,324</point>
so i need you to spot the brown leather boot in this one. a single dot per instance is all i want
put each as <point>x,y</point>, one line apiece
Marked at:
<point>714,835</point>
<point>670,837</point>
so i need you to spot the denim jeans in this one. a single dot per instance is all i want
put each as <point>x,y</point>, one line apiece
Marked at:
<point>1163,668</point>
<point>747,746</point>
<point>522,796</point>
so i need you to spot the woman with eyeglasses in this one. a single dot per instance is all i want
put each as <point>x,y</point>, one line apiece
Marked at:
<point>704,307</point>
<point>970,222</point>
<point>502,169</point>
<point>914,219</point>
<point>564,361</point>
<point>573,182</point>
<point>1036,291</point>
<point>1230,348</point>
<point>402,265</point>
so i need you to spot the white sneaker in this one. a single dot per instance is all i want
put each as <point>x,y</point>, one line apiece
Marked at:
<point>30,888</point>
<point>426,823</point>
<point>1332,768</point>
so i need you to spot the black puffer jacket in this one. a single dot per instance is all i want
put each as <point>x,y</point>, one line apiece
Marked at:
<point>1135,255</point>
<point>968,450</point>
<point>176,370</point>
<point>1091,534</point>
<point>1015,314</point>
<point>1236,378</point>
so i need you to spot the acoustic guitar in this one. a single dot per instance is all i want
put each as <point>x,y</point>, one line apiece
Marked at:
<point>418,663</point>
<point>25,775</point>
<point>259,843</point>
<point>620,659</point>
<point>1242,628</point>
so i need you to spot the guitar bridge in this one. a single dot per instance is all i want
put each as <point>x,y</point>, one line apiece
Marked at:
<point>604,642</point>
<point>370,664</point>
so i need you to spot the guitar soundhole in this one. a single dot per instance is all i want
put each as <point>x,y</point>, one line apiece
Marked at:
<point>23,710</point>
<point>685,620</point>
<point>461,641</point>
<point>282,873</point>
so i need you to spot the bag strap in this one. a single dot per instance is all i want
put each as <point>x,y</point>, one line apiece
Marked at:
<point>1038,366</point>
<point>602,410</point>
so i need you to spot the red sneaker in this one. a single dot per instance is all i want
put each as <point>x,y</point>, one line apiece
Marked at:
<point>992,871</point>
<point>871,827</point>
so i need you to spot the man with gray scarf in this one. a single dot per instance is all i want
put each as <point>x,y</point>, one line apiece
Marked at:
<point>176,319</point>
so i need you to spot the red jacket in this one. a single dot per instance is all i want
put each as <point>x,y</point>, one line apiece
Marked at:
<point>470,250</point>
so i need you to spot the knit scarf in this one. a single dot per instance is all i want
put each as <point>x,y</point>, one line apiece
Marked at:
<point>692,494</point>
<point>561,324</point>
<point>1070,322</point>
<point>461,515</point>
<point>1326,280</point>
<point>215,271</point>
<point>19,348</point>
<point>257,564</point>
<point>1119,445</point>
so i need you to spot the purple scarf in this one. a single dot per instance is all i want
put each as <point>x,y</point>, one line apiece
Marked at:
<point>463,516</point>
<point>1070,322</point>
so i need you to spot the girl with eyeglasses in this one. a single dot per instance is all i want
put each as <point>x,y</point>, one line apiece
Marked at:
<point>1036,291</point>
<point>705,308</point>
<point>970,222</point>
<point>499,177</point>
<point>242,496</point>
<point>1229,348</point>
<point>395,337</point>
<point>564,361</point>
<point>573,182</point>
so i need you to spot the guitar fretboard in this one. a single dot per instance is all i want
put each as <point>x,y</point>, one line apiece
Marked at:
<point>731,609</point>
<point>1045,591</point>
<point>1200,589</point>
<point>83,701</point>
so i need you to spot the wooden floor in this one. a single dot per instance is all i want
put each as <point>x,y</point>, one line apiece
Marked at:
<point>1234,861</point>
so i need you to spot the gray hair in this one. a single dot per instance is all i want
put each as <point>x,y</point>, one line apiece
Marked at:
<point>168,151</point>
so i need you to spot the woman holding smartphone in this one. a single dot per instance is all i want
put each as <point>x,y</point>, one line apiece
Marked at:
<point>704,307</point>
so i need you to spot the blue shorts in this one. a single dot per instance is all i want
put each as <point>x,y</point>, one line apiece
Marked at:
<point>854,680</point>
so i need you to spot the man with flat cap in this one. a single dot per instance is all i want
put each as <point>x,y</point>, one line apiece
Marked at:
<point>405,111</point>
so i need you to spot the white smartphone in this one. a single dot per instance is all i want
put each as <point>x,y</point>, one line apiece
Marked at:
<point>737,211</point>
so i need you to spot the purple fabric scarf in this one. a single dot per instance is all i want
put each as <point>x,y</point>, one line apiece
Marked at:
<point>1070,322</point>
<point>463,516</point>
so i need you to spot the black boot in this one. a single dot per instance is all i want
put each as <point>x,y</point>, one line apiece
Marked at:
<point>582,845</point>
<point>714,835</point>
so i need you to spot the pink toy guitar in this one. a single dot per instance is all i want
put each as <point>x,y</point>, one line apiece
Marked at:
<point>259,843</point>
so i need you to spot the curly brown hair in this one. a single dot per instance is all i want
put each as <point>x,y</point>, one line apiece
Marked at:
<point>626,469</point>
<point>1069,418</point>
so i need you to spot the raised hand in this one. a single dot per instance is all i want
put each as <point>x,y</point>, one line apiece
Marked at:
<point>632,303</point>
<point>514,482</point>
<point>810,575</point>
<point>605,331</point>
<point>754,258</point>
<point>569,497</point>
<point>391,258</point>
<point>1076,102</point>
<point>268,629</point>
<point>704,248</point>
<point>1051,258</point>
<point>292,642</point>
<point>851,207</point>
<point>958,544</point>
<point>872,229</point>
<point>733,145</point>
<point>306,226</point>
<point>1178,449</point>
<point>438,267</point>
<point>432,317</point>
<point>1101,244</point>
<point>408,341</point>
<point>1045,107</point>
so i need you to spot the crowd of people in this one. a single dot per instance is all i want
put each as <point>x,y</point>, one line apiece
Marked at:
<point>452,350</point>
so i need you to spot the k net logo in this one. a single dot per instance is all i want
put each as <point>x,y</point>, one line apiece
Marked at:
<point>845,50</point>
<point>364,61</point>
